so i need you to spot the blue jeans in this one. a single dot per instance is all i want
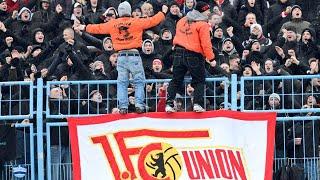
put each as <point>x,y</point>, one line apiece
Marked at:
<point>125,66</point>
<point>60,162</point>
<point>310,168</point>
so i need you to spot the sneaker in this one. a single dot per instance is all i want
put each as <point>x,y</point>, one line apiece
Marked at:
<point>140,110</point>
<point>198,108</point>
<point>169,109</point>
<point>123,111</point>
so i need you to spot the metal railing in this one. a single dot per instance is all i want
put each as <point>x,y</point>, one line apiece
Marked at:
<point>16,105</point>
<point>23,166</point>
<point>77,98</point>
<point>16,100</point>
<point>59,164</point>
<point>295,93</point>
<point>74,98</point>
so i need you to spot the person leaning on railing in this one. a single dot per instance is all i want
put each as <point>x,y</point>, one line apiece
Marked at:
<point>303,142</point>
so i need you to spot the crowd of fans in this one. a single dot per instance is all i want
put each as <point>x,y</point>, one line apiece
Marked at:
<point>249,38</point>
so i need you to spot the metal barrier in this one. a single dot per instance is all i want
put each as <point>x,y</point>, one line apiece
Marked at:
<point>16,105</point>
<point>65,99</point>
<point>296,93</point>
<point>23,167</point>
<point>75,98</point>
<point>312,174</point>
<point>59,164</point>
<point>63,167</point>
<point>16,100</point>
<point>80,98</point>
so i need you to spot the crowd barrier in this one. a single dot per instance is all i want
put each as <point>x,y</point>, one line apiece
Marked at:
<point>16,111</point>
<point>57,100</point>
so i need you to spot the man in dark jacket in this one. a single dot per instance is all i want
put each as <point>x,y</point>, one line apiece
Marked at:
<point>307,47</point>
<point>281,127</point>
<point>296,20</point>
<point>95,105</point>
<point>172,18</point>
<point>280,10</point>
<point>164,47</point>
<point>22,25</point>
<point>47,19</point>
<point>59,147</point>
<point>303,142</point>
<point>79,48</point>
<point>3,10</point>
<point>93,11</point>
<point>261,5</point>
<point>229,10</point>
<point>250,6</point>
<point>148,53</point>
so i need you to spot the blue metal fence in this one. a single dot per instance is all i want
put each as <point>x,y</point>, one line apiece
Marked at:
<point>16,100</point>
<point>59,164</point>
<point>74,98</point>
<point>297,123</point>
<point>16,110</point>
<point>294,93</point>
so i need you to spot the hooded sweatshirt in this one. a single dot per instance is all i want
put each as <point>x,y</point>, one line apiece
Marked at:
<point>147,57</point>
<point>193,33</point>
<point>25,9</point>
<point>126,32</point>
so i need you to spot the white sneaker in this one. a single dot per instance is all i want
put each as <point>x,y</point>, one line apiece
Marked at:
<point>170,109</point>
<point>198,108</point>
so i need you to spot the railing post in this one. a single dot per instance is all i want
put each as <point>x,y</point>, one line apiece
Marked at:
<point>234,83</point>
<point>40,155</point>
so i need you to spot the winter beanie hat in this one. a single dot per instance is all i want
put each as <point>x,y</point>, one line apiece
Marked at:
<point>202,6</point>
<point>294,7</point>
<point>124,9</point>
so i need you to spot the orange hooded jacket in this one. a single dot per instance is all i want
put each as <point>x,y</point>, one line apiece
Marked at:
<point>126,32</point>
<point>194,36</point>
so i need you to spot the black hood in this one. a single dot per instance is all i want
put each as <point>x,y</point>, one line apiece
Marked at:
<point>34,34</point>
<point>99,5</point>
<point>288,3</point>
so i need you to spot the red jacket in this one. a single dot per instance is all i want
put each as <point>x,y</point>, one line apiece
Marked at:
<point>15,5</point>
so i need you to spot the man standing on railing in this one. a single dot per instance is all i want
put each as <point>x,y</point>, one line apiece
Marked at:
<point>126,34</point>
<point>192,43</point>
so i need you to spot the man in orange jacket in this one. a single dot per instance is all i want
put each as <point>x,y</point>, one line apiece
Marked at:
<point>192,43</point>
<point>126,34</point>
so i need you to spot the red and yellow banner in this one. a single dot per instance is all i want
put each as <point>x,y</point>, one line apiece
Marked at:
<point>210,145</point>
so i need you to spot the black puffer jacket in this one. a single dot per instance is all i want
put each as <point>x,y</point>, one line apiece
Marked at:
<point>93,17</point>
<point>229,10</point>
<point>170,23</point>
<point>274,13</point>
<point>260,4</point>
<point>246,9</point>
<point>4,15</point>
<point>308,131</point>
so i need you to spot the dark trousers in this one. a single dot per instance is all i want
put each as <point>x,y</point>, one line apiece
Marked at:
<point>185,60</point>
